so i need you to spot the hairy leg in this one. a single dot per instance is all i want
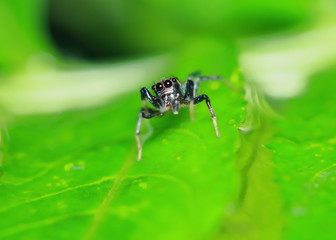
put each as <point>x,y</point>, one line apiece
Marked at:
<point>203,97</point>
<point>144,113</point>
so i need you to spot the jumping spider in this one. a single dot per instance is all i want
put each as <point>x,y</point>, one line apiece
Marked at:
<point>170,95</point>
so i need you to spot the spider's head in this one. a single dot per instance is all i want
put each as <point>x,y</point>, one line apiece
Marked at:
<point>166,86</point>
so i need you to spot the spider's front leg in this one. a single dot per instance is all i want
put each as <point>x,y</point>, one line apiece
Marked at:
<point>145,94</point>
<point>199,99</point>
<point>144,113</point>
<point>175,102</point>
<point>189,97</point>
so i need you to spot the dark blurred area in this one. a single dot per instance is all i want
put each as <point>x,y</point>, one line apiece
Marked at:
<point>52,36</point>
<point>117,29</point>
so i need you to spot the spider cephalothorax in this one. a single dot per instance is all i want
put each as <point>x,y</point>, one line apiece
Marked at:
<point>171,95</point>
<point>168,93</point>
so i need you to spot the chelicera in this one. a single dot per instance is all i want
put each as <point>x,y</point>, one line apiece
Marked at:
<point>171,94</point>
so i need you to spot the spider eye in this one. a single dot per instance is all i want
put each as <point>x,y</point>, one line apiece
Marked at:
<point>159,87</point>
<point>174,79</point>
<point>153,87</point>
<point>168,83</point>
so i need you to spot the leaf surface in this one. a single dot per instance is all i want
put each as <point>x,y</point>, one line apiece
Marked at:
<point>76,171</point>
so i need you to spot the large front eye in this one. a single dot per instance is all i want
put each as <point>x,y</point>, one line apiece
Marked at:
<point>159,87</point>
<point>168,83</point>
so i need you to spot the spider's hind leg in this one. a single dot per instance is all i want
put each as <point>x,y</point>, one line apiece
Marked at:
<point>194,75</point>
<point>199,79</point>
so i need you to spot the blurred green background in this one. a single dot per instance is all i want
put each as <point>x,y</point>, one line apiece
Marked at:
<point>70,72</point>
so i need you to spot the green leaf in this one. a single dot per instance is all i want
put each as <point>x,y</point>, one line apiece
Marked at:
<point>305,161</point>
<point>73,175</point>
<point>287,168</point>
<point>23,39</point>
<point>76,171</point>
